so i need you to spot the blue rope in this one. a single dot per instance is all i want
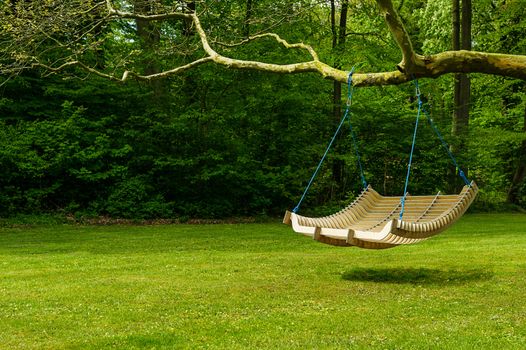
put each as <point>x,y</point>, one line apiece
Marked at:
<point>421,107</point>
<point>446,147</point>
<point>345,116</point>
<point>402,200</point>
<point>297,207</point>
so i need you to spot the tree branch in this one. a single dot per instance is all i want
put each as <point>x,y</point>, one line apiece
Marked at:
<point>412,65</point>
<point>175,71</point>
<point>463,61</point>
<point>285,43</point>
<point>126,73</point>
<point>400,35</point>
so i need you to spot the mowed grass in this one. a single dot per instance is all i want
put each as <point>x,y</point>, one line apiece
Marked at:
<point>260,286</point>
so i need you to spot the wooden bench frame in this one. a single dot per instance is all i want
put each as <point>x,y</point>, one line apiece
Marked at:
<point>371,221</point>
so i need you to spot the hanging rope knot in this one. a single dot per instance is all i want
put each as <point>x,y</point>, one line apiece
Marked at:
<point>417,87</point>
<point>349,79</point>
<point>463,176</point>
<point>402,208</point>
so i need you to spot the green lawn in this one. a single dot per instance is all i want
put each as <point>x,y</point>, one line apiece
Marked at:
<point>258,286</point>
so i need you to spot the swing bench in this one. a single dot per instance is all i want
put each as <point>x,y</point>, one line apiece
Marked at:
<point>374,221</point>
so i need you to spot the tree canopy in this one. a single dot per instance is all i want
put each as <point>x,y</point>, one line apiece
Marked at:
<point>201,129</point>
<point>73,33</point>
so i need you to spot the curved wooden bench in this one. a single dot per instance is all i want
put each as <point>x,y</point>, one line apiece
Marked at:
<point>371,221</point>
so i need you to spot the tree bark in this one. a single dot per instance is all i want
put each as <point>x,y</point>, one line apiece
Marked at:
<point>461,39</point>
<point>455,36</point>
<point>333,24</point>
<point>148,34</point>
<point>150,37</point>
<point>520,173</point>
<point>188,7</point>
<point>248,18</point>
<point>467,13</point>
<point>455,19</point>
<point>190,87</point>
<point>338,41</point>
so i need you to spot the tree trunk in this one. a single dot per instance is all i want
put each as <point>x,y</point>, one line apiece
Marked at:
<point>461,39</point>
<point>248,17</point>
<point>149,36</point>
<point>465,86</point>
<point>466,24</point>
<point>343,22</point>
<point>188,7</point>
<point>455,36</point>
<point>520,173</point>
<point>338,40</point>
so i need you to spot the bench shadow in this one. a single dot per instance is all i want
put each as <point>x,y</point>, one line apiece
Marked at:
<point>422,276</point>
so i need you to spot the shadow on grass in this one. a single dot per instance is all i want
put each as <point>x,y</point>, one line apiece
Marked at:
<point>416,275</point>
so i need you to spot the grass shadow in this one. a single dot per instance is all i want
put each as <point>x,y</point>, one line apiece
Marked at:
<point>416,275</point>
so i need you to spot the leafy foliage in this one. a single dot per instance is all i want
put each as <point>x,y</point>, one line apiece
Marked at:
<point>217,143</point>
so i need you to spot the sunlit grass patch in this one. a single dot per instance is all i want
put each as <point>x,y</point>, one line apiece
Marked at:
<point>260,286</point>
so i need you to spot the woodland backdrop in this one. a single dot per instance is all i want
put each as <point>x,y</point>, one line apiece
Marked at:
<point>216,142</point>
